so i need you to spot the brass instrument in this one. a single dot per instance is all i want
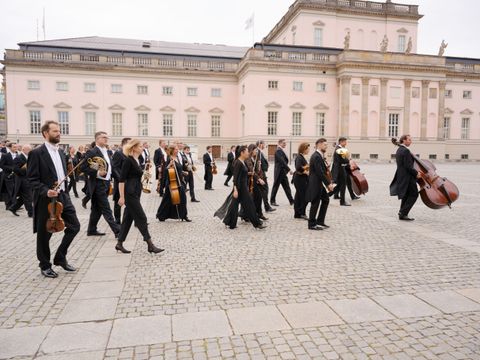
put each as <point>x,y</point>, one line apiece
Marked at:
<point>24,166</point>
<point>146,176</point>
<point>343,152</point>
<point>97,163</point>
<point>306,168</point>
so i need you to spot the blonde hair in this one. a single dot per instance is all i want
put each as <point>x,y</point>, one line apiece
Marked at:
<point>128,147</point>
<point>171,149</point>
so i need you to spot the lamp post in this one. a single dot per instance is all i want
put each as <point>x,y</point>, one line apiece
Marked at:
<point>18,136</point>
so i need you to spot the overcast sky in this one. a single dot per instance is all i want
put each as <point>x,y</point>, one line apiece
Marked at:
<point>211,21</point>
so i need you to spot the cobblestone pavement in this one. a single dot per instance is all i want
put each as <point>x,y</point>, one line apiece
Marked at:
<point>368,287</point>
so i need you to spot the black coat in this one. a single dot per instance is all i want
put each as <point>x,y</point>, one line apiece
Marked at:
<point>20,172</point>
<point>299,179</point>
<point>88,171</point>
<point>317,178</point>
<point>207,161</point>
<point>42,176</point>
<point>131,175</point>
<point>230,159</point>
<point>6,163</point>
<point>159,162</point>
<point>263,164</point>
<point>405,173</point>
<point>281,164</point>
<point>337,169</point>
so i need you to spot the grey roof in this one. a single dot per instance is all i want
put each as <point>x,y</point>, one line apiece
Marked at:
<point>97,43</point>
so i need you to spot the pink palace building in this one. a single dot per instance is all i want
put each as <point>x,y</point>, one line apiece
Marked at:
<point>329,68</point>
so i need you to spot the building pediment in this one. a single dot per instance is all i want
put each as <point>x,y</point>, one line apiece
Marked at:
<point>273,105</point>
<point>167,109</point>
<point>402,30</point>
<point>215,111</point>
<point>142,108</point>
<point>34,104</point>
<point>466,112</point>
<point>394,108</point>
<point>62,105</point>
<point>321,106</point>
<point>318,23</point>
<point>116,107</point>
<point>192,109</point>
<point>297,106</point>
<point>448,111</point>
<point>90,106</point>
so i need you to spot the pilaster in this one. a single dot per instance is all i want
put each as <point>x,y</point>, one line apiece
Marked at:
<point>383,108</point>
<point>441,109</point>
<point>364,124</point>
<point>407,102</point>
<point>424,119</point>
<point>345,105</point>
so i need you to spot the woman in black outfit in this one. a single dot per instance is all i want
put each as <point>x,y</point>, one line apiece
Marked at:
<point>300,180</point>
<point>254,180</point>
<point>167,210</point>
<point>73,178</point>
<point>240,195</point>
<point>130,188</point>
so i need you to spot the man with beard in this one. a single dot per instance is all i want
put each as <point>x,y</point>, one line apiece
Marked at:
<point>47,167</point>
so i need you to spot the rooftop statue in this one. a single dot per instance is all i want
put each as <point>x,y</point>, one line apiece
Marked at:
<point>409,46</point>
<point>443,46</point>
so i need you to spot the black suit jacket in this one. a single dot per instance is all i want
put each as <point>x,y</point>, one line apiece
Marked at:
<point>6,163</point>
<point>337,168</point>
<point>405,173</point>
<point>281,164</point>
<point>159,162</point>
<point>264,162</point>
<point>18,163</point>
<point>88,171</point>
<point>230,159</point>
<point>317,177</point>
<point>42,176</point>
<point>117,162</point>
<point>207,161</point>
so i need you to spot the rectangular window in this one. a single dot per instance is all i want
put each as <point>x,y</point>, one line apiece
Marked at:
<point>63,121</point>
<point>464,156</point>
<point>465,128</point>
<point>89,87</point>
<point>446,128</point>
<point>35,122</point>
<point>373,156</point>
<point>215,125</point>
<point>467,94</point>
<point>62,86</point>
<point>356,89</point>
<point>318,37</point>
<point>393,125</point>
<point>447,156</point>
<point>273,84</point>
<point>297,124</point>
<point>272,123</point>
<point>297,86</point>
<point>356,156</point>
<point>117,88</point>
<point>167,90</point>
<point>117,124</point>
<point>90,123</point>
<point>415,92</point>
<point>216,92</point>
<point>33,85</point>
<point>448,93</point>
<point>432,93</point>
<point>432,156</point>
<point>142,89</point>
<point>320,124</point>
<point>167,124</point>
<point>192,91</point>
<point>192,125</point>
<point>395,92</point>
<point>373,90</point>
<point>142,124</point>
<point>321,87</point>
<point>401,43</point>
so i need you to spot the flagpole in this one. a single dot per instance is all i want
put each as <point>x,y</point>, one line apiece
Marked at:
<point>253,30</point>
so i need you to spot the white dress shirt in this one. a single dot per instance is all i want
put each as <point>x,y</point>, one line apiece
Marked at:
<point>109,166</point>
<point>57,162</point>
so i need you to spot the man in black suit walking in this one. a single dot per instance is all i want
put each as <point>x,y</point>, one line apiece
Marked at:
<point>339,172</point>
<point>189,179</point>
<point>7,165</point>
<point>160,159</point>
<point>117,162</point>
<point>318,182</point>
<point>404,184</point>
<point>264,165</point>
<point>23,191</point>
<point>99,185</point>
<point>280,173</point>
<point>229,170</point>
<point>207,162</point>
<point>46,166</point>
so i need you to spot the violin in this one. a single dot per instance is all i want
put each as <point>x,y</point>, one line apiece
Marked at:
<point>328,175</point>
<point>55,222</point>
<point>214,168</point>
<point>173,185</point>
<point>436,192</point>
<point>359,181</point>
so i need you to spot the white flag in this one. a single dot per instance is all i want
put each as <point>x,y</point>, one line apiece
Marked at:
<point>249,22</point>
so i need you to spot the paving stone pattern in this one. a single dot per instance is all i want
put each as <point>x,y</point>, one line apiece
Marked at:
<point>368,287</point>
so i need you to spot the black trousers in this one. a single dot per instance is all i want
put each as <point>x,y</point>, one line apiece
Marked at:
<point>264,194</point>
<point>281,180</point>
<point>191,185</point>
<point>409,199</point>
<point>349,187</point>
<point>341,184</point>
<point>257,199</point>
<point>133,212</point>
<point>117,210</point>
<point>300,202</point>
<point>72,227</point>
<point>229,176</point>
<point>9,183</point>
<point>72,184</point>
<point>208,177</point>
<point>101,206</point>
<point>23,196</point>
<point>313,219</point>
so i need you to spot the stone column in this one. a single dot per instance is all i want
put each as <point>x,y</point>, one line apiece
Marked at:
<point>424,120</point>
<point>364,125</point>
<point>441,109</point>
<point>407,101</point>
<point>383,109</point>
<point>345,105</point>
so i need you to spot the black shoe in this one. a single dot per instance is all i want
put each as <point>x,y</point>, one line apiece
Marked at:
<point>304,217</point>
<point>261,226</point>
<point>65,265</point>
<point>152,248</point>
<point>96,233</point>
<point>324,226</point>
<point>186,219</point>
<point>405,218</point>
<point>76,195</point>
<point>273,203</point>
<point>355,197</point>
<point>271,210</point>
<point>119,247</point>
<point>345,204</point>
<point>336,197</point>
<point>84,202</point>
<point>292,202</point>
<point>263,217</point>
<point>316,227</point>
<point>14,212</point>
<point>195,200</point>
<point>49,273</point>
<point>226,185</point>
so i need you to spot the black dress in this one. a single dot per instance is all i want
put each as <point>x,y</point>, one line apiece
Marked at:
<point>300,180</point>
<point>229,210</point>
<point>131,176</point>
<point>167,210</point>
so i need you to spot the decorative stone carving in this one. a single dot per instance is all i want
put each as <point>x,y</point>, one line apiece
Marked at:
<point>167,109</point>
<point>215,111</point>
<point>448,111</point>
<point>116,107</point>
<point>443,46</point>
<point>33,104</point>
<point>346,42</point>
<point>142,108</point>
<point>192,109</point>
<point>384,44</point>
<point>402,30</point>
<point>409,46</point>
<point>321,106</point>
<point>90,106</point>
<point>297,106</point>
<point>62,105</point>
<point>273,105</point>
<point>467,112</point>
<point>242,108</point>
<point>318,23</point>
